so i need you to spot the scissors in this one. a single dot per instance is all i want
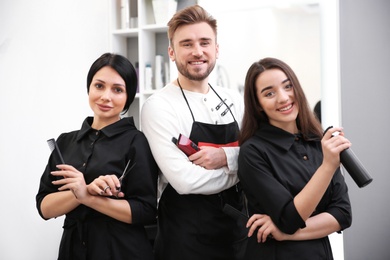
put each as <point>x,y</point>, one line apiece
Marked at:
<point>125,172</point>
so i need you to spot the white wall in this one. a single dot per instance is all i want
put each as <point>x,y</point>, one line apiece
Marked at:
<point>46,49</point>
<point>250,30</point>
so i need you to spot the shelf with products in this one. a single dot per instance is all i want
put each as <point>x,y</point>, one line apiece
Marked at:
<point>135,35</point>
<point>138,31</point>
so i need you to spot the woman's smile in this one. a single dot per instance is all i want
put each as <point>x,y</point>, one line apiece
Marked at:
<point>286,108</point>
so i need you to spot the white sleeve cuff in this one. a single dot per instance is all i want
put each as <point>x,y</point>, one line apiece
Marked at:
<point>232,159</point>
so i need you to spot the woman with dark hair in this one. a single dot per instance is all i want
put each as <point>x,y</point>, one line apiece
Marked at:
<point>288,169</point>
<point>105,214</point>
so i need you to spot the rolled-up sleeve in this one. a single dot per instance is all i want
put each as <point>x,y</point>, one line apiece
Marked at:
<point>141,184</point>
<point>265,193</point>
<point>340,206</point>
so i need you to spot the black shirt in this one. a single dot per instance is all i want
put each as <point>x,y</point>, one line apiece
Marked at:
<point>274,166</point>
<point>89,234</point>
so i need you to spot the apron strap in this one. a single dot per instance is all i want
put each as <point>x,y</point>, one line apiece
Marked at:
<point>193,118</point>
<point>223,101</point>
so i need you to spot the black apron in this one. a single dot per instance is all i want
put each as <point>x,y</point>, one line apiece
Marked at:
<point>194,226</point>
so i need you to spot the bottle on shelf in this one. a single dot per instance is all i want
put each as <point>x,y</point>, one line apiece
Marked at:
<point>159,72</point>
<point>137,71</point>
<point>148,77</point>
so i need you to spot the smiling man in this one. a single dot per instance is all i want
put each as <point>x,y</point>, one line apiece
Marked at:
<point>194,189</point>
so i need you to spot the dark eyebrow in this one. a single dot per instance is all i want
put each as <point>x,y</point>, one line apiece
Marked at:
<point>269,87</point>
<point>115,84</point>
<point>266,88</point>
<point>284,81</point>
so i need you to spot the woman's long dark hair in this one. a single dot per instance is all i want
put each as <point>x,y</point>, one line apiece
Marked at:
<point>254,115</point>
<point>124,68</point>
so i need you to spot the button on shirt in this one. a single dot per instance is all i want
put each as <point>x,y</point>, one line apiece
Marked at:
<point>103,152</point>
<point>274,166</point>
<point>168,103</point>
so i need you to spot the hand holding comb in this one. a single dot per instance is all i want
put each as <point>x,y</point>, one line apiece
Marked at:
<point>53,146</point>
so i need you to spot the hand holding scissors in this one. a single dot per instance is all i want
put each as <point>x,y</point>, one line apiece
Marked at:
<point>125,172</point>
<point>108,185</point>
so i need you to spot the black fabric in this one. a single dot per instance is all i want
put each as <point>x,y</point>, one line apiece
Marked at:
<point>89,234</point>
<point>274,166</point>
<point>194,226</point>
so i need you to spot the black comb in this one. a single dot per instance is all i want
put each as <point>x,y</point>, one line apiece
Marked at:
<point>53,146</point>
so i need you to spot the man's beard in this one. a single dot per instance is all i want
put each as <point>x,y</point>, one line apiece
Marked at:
<point>195,76</point>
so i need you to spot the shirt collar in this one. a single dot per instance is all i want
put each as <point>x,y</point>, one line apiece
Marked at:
<point>276,136</point>
<point>110,130</point>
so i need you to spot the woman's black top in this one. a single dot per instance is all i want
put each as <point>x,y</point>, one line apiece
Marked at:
<point>89,234</point>
<point>274,166</point>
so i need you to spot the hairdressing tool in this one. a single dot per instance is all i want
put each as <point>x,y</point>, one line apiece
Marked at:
<point>354,167</point>
<point>185,145</point>
<point>53,146</point>
<point>124,173</point>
